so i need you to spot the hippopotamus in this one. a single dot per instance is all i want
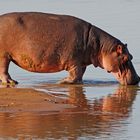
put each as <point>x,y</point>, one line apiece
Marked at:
<point>47,43</point>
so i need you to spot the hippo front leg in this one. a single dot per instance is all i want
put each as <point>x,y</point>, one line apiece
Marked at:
<point>75,75</point>
<point>4,75</point>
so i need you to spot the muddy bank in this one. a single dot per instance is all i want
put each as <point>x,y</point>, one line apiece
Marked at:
<point>21,100</point>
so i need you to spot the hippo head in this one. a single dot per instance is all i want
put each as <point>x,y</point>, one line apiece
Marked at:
<point>118,62</point>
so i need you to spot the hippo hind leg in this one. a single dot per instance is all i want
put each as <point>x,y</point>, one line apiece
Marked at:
<point>4,75</point>
<point>75,76</point>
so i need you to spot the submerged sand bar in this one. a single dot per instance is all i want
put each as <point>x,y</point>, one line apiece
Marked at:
<point>20,99</point>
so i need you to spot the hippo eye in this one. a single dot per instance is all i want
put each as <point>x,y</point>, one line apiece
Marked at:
<point>109,71</point>
<point>122,59</point>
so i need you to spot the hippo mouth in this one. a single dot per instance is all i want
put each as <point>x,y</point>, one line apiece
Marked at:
<point>127,74</point>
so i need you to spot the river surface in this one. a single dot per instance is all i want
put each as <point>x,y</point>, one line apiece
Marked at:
<point>103,109</point>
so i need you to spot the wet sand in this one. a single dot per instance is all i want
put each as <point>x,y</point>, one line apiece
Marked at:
<point>23,100</point>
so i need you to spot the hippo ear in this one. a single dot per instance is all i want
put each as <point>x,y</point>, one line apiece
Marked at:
<point>119,49</point>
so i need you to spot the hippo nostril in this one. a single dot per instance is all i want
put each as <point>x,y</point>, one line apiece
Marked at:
<point>131,57</point>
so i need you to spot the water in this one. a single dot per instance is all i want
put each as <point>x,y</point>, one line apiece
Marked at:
<point>102,109</point>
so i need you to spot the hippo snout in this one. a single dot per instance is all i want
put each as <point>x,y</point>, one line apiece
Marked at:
<point>128,76</point>
<point>134,80</point>
<point>131,75</point>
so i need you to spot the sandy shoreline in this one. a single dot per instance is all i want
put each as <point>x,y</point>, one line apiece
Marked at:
<point>26,99</point>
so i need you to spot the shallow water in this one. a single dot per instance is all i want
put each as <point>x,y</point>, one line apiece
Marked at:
<point>103,109</point>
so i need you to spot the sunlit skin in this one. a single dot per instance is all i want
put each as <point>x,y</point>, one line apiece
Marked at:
<point>47,43</point>
<point>110,62</point>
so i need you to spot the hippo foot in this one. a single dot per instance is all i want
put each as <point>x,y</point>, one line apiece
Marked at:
<point>6,80</point>
<point>69,81</point>
<point>9,82</point>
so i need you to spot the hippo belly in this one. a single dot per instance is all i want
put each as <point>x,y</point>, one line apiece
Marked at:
<point>37,61</point>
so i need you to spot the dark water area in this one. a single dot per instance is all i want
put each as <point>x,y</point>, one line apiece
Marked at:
<point>103,110</point>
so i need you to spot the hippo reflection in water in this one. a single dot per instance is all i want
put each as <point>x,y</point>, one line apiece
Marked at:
<point>40,42</point>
